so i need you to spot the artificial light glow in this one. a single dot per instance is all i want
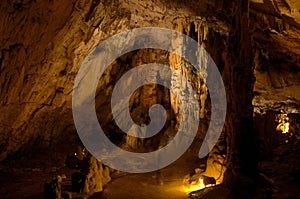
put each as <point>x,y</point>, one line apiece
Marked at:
<point>195,186</point>
<point>284,124</point>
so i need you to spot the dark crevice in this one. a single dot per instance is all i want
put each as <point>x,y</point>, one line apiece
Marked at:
<point>90,13</point>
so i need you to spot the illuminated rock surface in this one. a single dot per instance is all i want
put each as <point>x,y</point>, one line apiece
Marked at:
<point>43,44</point>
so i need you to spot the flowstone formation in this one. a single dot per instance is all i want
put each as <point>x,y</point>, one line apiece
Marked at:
<point>255,45</point>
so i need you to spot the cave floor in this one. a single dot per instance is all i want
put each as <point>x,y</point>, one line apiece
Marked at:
<point>144,186</point>
<point>17,182</point>
<point>27,180</point>
<point>163,184</point>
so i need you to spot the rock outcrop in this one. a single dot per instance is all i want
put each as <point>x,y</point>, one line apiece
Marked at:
<point>91,178</point>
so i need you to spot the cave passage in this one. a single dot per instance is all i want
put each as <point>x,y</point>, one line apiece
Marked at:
<point>255,45</point>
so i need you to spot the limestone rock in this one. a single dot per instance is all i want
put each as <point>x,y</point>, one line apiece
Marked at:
<point>97,177</point>
<point>91,179</point>
<point>43,44</point>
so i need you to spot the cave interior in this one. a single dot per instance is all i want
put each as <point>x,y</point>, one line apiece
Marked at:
<point>255,45</point>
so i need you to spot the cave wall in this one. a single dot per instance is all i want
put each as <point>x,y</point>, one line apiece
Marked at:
<point>275,29</point>
<point>43,44</point>
<point>41,54</point>
<point>49,56</point>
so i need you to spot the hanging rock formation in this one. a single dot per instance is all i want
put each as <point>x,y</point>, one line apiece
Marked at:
<point>43,44</point>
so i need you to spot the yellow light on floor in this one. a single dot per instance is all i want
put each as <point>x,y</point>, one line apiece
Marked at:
<point>195,186</point>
